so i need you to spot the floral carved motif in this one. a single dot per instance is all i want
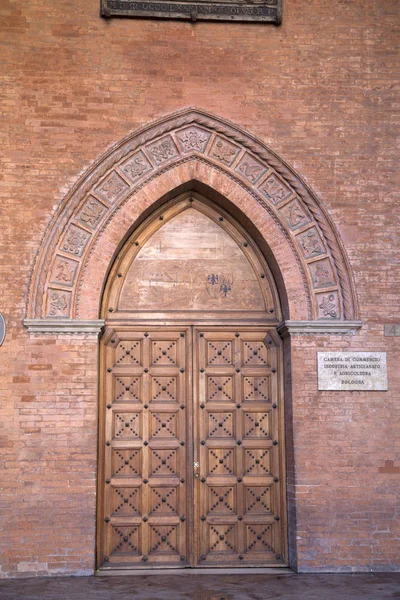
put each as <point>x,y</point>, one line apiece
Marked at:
<point>113,187</point>
<point>92,212</point>
<point>75,240</point>
<point>311,243</point>
<point>136,166</point>
<point>224,151</point>
<point>275,190</point>
<point>64,270</point>
<point>193,139</point>
<point>328,305</point>
<point>163,150</point>
<point>251,168</point>
<point>321,274</point>
<point>59,303</point>
<point>295,215</point>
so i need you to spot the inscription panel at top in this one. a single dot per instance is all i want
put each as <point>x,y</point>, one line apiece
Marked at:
<point>267,11</point>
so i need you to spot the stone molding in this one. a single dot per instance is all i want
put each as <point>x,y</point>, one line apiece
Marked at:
<point>66,326</point>
<point>142,157</point>
<point>289,328</point>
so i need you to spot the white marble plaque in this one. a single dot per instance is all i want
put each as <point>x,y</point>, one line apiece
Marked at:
<point>351,371</point>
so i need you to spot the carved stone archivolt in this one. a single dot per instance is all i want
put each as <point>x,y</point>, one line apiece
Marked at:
<point>136,164</point>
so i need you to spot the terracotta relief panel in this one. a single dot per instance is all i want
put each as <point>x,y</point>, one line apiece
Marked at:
<point>64,271</point>
<point>193,139</point>
<point>311,243</point>
<point>136,166</point>
<point>112,188</point>
<point>275,189</point>
<point>295,215</point>
<point>224,151</point>
<point>75,240</point>
<point>250,168</point>
<point>163,150</point>
<point>322,274</point>
<point>91,213</point>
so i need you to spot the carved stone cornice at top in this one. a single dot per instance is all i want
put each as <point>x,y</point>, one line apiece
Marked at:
<point>191,132</point>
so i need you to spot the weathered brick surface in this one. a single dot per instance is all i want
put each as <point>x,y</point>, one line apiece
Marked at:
<point>320,91</point>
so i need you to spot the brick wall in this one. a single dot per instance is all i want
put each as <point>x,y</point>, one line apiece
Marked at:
<point>320,91</point>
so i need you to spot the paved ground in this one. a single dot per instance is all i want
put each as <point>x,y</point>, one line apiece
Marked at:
<point>377,586</point>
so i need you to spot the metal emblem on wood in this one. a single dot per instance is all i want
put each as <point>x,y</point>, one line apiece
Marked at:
<point>266,11</point>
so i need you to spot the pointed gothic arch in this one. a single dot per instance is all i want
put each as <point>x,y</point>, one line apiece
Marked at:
<point>188,150</point>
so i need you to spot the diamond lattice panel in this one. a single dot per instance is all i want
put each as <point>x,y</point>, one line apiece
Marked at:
<point>164,462</point>
<point>127,389</point>
<point>219,353</point>
<point>126,540</point>
<point>257,462</point>
<point>127,425</point>
<point>219,389</point>
<point>258,500</point>
<point>258,541</point>
<point>221,425</point>
<point>256,425</point>
<point>126,502</point>
<point>223,539</point>
<point>163,425</point>
<point>221,461</point>
<point>126,463</point>
<point>164,353</point>
<point>129,352</point>
<point>254,353</point>
<point>256,389</point>
<point>163,389</point>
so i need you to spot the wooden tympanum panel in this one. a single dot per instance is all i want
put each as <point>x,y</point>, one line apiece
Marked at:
<point>192,472</point>
<point>191,263</point>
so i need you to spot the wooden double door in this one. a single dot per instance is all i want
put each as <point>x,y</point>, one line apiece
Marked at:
<point>191,468</point>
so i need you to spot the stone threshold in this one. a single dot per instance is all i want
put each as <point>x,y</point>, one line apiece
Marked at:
<point>195,571</point>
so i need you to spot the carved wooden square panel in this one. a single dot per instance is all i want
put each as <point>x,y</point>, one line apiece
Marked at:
<point>164,462</point>
<point>256,425</point>
<point>164,539</point>
<point>258,540</point>
<point>257,461</point>
<point>219,353</point>
<point>164,353</point>
<point>256,389</point>
<point>125,502</point>
<point>221,425</point>
<point>164,500</point>
<point>258,500</point>
<point>221,461</point>
<point>163,425</point>
<point>127,426</point>
<point>125,540</point>
<point>126,463</point>
<point>127,389</point>
<point>129,352</point>
<point>222,539</point>
<point>163,389</point>
<point>254,353</point>
<point>222,500</point>
<point>219,389</point>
